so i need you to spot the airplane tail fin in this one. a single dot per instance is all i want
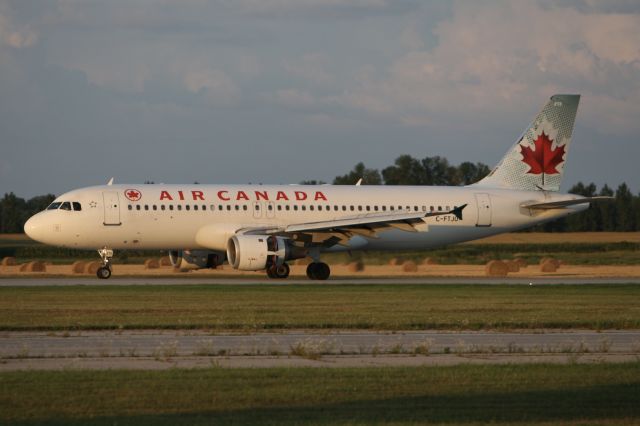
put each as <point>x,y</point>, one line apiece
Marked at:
<point>537,160</point>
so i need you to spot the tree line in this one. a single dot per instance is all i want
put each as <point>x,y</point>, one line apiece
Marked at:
<point>620,214</point>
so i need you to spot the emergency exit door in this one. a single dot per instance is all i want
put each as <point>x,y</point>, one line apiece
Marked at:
<point>111,209</point>
<point>483,201</point>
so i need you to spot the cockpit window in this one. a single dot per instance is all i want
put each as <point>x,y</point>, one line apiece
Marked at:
<point>65,206</point>
<point>54,206</point>
<point>76,206</point>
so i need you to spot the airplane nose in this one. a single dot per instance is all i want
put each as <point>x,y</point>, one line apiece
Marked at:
<point>34,227</point>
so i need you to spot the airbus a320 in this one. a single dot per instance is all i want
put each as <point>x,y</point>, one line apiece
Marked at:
<point>262,227</point>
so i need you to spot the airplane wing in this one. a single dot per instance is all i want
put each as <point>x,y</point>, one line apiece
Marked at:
<point>339,231</point>
<point>563,203</point>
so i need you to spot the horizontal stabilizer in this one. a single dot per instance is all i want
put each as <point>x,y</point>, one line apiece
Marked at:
<point>564,203</point>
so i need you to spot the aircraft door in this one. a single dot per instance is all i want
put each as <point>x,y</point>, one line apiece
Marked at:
<point>257,209</point>
<point>271,210</point>
<point>483,201</point>
<point>111,209</point>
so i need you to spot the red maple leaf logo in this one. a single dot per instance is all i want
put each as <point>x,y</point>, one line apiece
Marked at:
<point>133,194</point>
<point>543,159</point>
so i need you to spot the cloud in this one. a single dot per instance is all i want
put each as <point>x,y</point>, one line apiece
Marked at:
<point>13,33</point>
<point>215,84</point>
<point>486,56</point>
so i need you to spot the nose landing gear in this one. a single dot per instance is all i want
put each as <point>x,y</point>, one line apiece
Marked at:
<point>104,271</point>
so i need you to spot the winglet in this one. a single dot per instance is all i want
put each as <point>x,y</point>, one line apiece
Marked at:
<point>110,182</point>
<point>457,211</point>
<point>359,182</point>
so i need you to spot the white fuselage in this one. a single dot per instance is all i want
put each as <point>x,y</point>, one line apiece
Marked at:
<point>206,216</point>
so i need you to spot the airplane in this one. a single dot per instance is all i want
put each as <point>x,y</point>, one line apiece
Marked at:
<point>262,227</point>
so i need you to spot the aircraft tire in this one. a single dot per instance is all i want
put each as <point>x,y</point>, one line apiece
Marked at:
<point>281,271</point>
<point>318,271</point>
<point>103,272</point>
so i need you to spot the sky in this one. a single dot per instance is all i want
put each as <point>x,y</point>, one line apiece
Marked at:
<point>280,91</point>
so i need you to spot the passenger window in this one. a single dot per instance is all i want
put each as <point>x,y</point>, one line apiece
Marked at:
<point>295,208</point>
<point>335,208</point>
<point>351,208</point>
<point>212,207</point>
<point>424,208</point>
<point>180,207</point>
<point>76,206</point>
<point>375,208</point>
<point>270,207</point>
<point>279,207</point>
<point>220,207</point>
<point>304,207</point>
<point>54,206</point>
<point>311,208</point>
<point>195,207</point>
<point>137,206</point>
<point>368,208</point>
<point>344,208</point>
<point>228,207</point>
<point>146,207</point>
<point>384,208</point>
<point>187,207</point>
<point>162,207</point>
<point>432,208</point>
<point>170,206</point>
<point>155,207</point>
<point>359,208</point>
<point>204,207</point>
<point>244,207</point>
<point>237,207</point>
<point>391,208</point>
<point>439,208</point>
<point>65,206</point>
<point>286,207</point>
<point>130,207</point>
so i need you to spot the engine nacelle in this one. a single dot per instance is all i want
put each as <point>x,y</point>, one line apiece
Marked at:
<point>256,252</point>
<point>195,259</point>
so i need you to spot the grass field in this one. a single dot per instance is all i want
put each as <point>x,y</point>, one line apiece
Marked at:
<point>321,306</point>
<point>572,394</point>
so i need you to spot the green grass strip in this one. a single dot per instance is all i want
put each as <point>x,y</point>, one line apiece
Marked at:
<point>512,394</point>
<point>323,306</point>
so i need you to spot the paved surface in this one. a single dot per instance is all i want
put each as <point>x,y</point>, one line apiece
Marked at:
<point>121,281</point>
<point>159,349</point>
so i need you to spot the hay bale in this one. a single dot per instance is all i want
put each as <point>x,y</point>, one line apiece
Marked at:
<point>430,261</point>
<point>165,261</point>
<point>8,261</point>
<point>92,267</point>
<point>550,259</point>
<point>151,264</point>
<point>34,266</point>
<point>496,268</point>
<point>396,261</point>
<point>356,266</point>
<point>522,263</point>
<point>549,265</point>
<point>409,266</point>
<point>78,266</point>
<point>513,266</point>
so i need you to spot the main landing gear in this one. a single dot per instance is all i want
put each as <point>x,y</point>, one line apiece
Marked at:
<point>318,271</point>
<point>278,271</point>
<point>104,271</point>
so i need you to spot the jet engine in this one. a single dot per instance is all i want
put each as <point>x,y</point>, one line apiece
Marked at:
<point>257,252</point>
<point>195,259</point>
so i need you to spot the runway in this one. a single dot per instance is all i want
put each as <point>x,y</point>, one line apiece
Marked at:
<point>126,281</point>
<point>152,349</point>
